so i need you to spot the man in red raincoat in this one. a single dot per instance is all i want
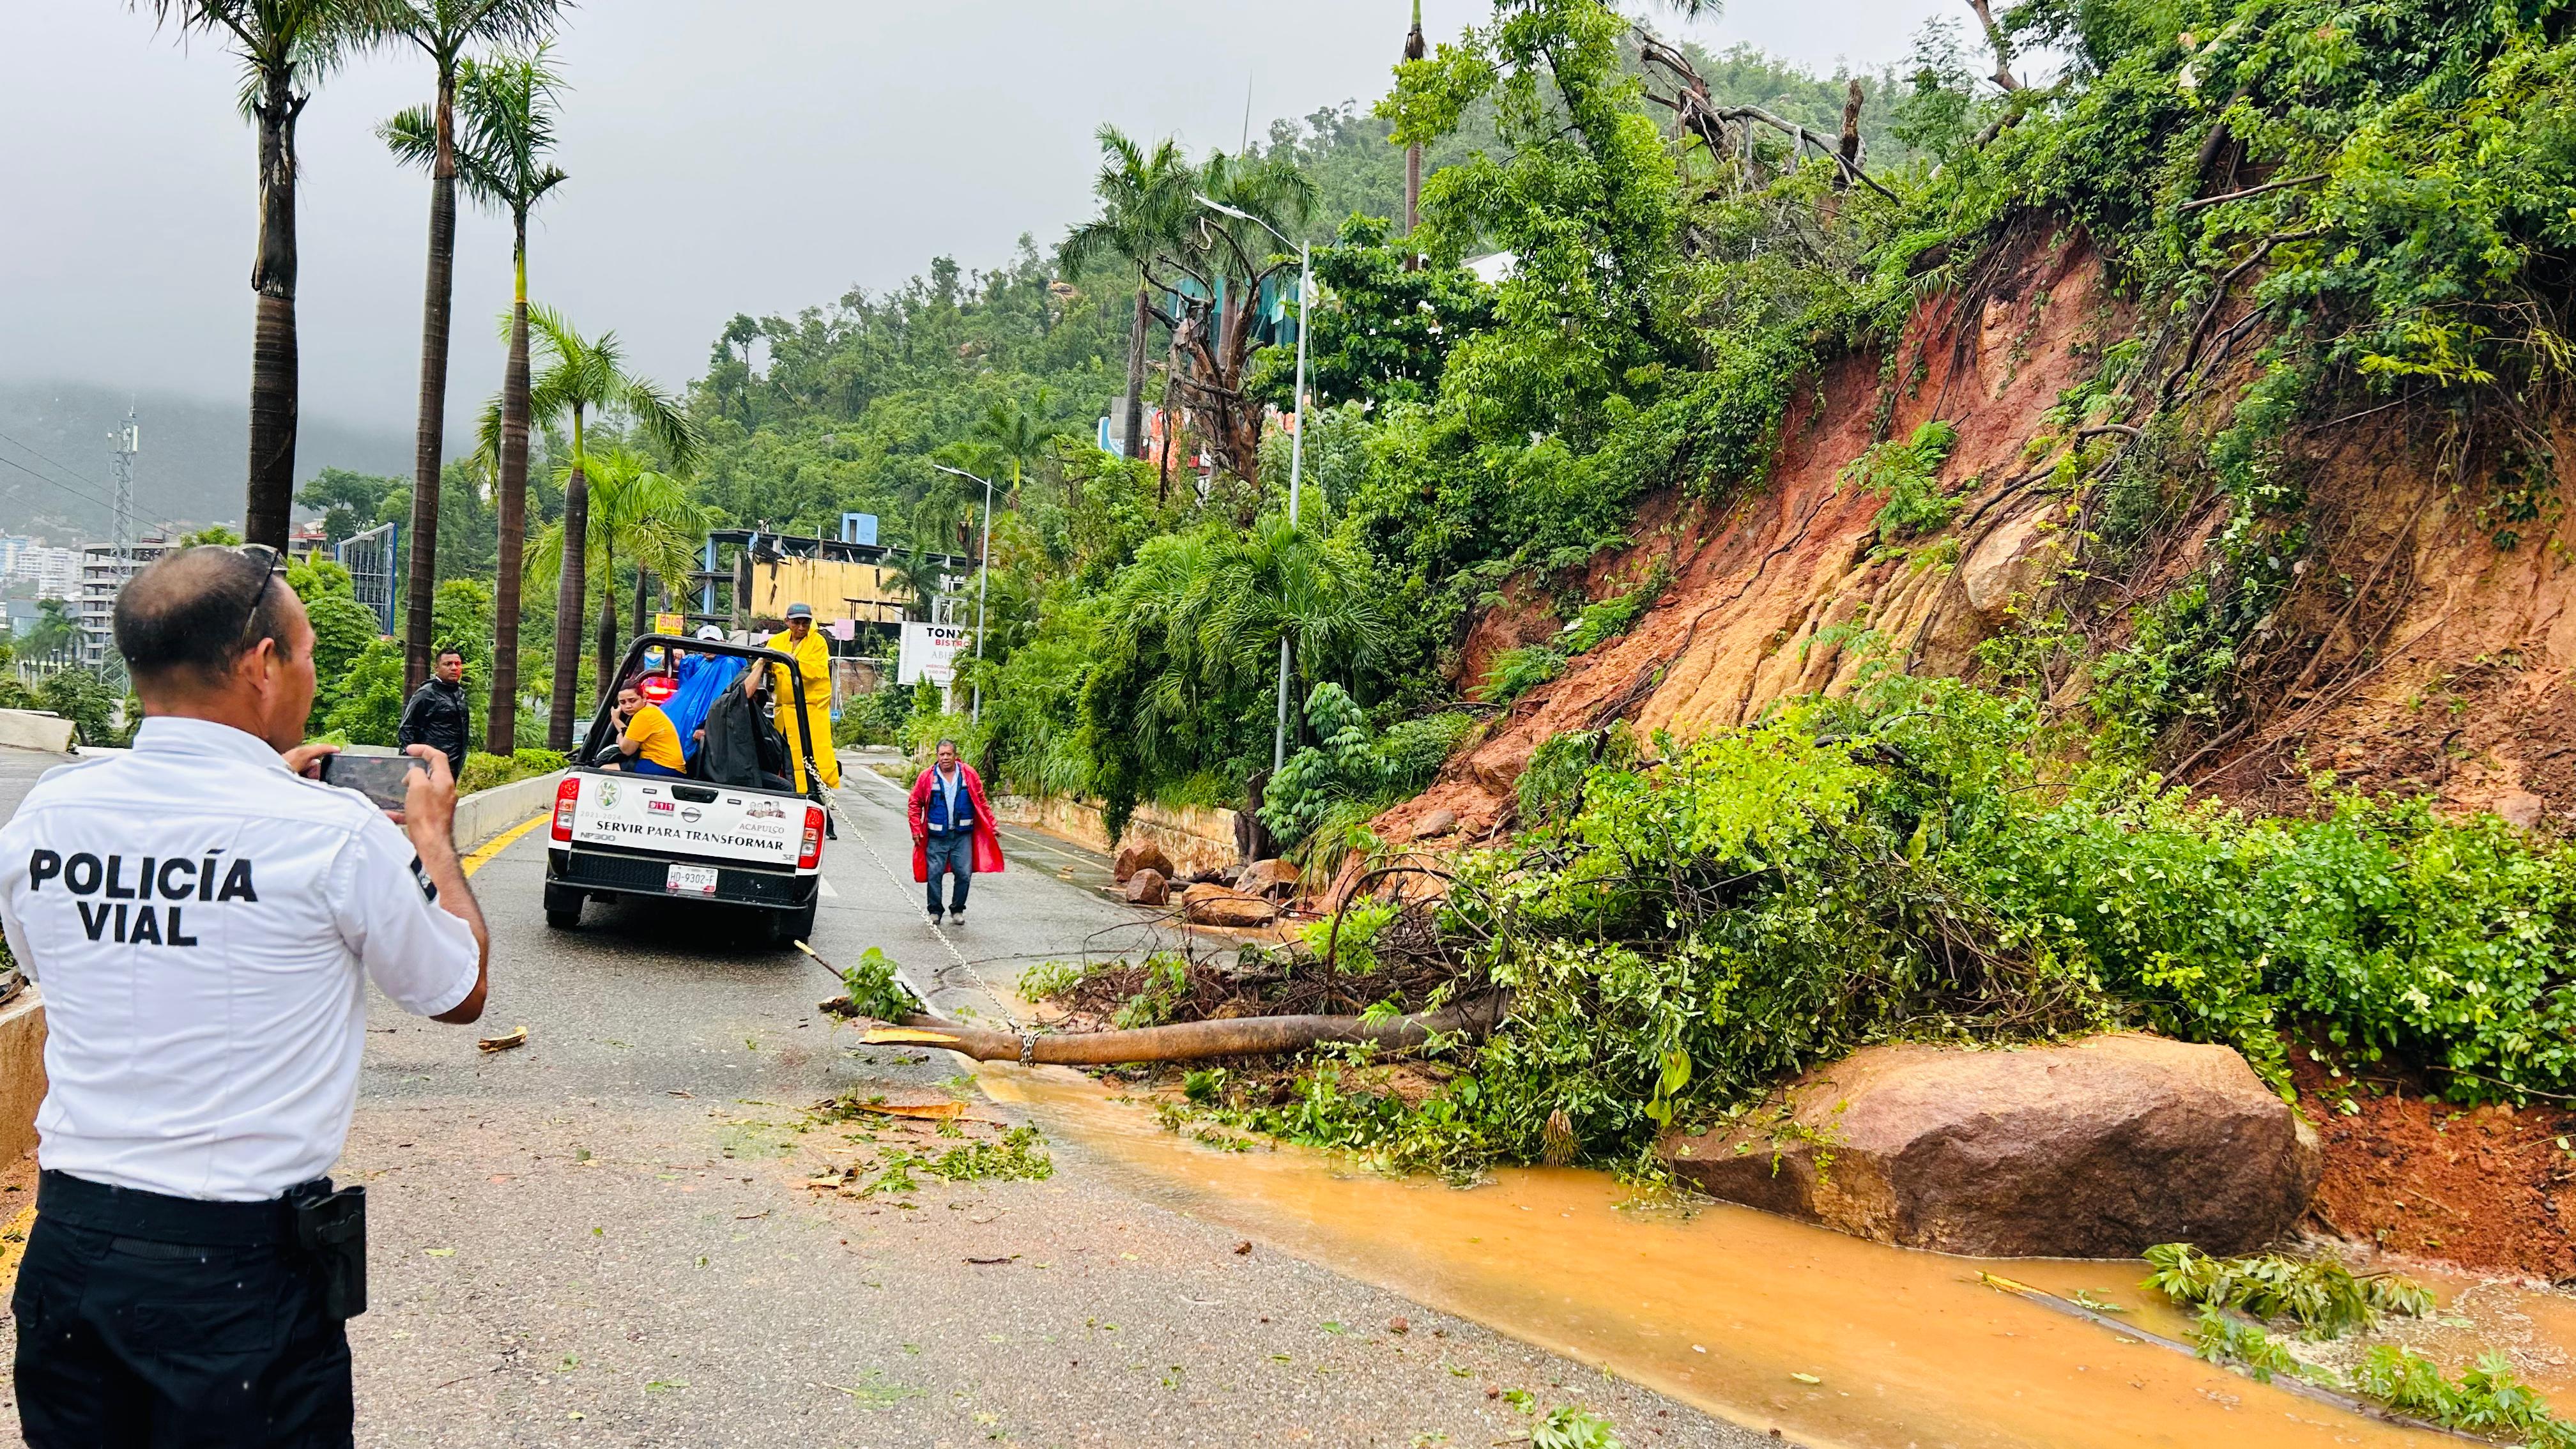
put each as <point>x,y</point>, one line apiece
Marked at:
<point>952,831</point>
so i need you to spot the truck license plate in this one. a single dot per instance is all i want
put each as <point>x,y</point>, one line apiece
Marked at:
<point>695,880</point>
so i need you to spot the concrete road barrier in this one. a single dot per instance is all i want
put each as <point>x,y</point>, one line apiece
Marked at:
<point>487,813</point>
<point>22,1071</point>
<point>31,729</point>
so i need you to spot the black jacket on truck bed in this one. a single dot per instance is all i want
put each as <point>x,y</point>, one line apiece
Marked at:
<point>620,832</point>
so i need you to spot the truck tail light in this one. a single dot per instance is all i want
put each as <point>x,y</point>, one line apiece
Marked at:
<point>567,799</point>
<point>810,853</point>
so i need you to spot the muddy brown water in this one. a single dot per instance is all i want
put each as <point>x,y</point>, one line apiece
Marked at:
<point>1722,1307</point>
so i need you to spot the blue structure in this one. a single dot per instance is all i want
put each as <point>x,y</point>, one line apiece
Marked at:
<point>371,558</point>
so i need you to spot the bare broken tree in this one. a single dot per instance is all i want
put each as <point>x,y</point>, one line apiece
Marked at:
<point>1727,130</point>
<point>1849,154</point>
<point>1997,42</point>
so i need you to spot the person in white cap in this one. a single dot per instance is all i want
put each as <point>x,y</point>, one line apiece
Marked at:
<point>801,641</point>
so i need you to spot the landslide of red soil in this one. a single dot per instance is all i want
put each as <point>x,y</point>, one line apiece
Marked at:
<point>2442,661</point>
<point>1784,590</point>
<point>2414,654</point>
<point>2482,1187</point>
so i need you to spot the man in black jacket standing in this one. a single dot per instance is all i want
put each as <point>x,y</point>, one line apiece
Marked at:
<point>436,715</point>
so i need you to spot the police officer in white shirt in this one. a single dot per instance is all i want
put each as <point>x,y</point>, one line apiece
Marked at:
<point>203,923</point>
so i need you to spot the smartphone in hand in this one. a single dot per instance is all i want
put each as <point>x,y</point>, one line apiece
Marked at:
<point>383,779</point>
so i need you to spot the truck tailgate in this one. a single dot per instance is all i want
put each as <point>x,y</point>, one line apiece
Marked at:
<point>665,815</point>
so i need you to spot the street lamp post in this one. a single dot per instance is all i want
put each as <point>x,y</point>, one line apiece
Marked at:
<point>1296,448</point>
<point>983,583</point>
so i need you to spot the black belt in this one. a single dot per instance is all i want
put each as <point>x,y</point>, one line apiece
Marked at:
<point>129,1212</point>
<point>328,1228</point>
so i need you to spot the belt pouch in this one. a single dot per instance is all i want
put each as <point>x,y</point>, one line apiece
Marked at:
<point>331,1228</point>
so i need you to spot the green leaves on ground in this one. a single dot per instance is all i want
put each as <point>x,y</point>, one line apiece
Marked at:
<point>875,990</point>
<point>1017,1157</point>
<point>2321,1296</point>
<point>2485,1399</point>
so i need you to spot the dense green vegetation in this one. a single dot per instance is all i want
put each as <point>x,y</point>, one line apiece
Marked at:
<point>1909,863</point>
<point>1136,599</point>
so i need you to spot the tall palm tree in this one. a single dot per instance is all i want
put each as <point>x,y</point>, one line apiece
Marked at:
<point>55,633</point>
<point>441,29</point>
<point>284,46</point>
<point>635,510</point>
<point>1144,200</point>
<point>586,377</point>
<point>506,110</point>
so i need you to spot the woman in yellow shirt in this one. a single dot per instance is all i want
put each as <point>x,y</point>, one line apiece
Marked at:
<point>646,737</point>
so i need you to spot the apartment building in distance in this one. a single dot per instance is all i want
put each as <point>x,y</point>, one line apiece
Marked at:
<point>49,572</point>
<point>102,574</point>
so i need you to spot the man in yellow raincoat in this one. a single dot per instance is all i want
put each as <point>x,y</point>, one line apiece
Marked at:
<point>802,642</point>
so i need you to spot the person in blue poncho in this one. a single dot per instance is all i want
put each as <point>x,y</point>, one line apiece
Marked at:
<point>702,678</point>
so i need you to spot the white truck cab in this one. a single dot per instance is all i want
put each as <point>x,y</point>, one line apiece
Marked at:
<point>620,832</point>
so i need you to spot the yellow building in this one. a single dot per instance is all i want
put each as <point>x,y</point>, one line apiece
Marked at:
<point>749,577</point>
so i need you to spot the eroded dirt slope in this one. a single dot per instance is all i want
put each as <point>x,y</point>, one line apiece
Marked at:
<point>2413,653</point>
<point>1786,590</point>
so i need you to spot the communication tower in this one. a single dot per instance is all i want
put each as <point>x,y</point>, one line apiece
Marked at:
<point>124,443</point>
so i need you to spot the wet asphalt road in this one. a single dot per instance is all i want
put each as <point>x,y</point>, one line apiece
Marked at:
<point>606,1237</point>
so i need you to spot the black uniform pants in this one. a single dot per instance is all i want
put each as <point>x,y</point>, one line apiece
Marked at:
<point>136,1341</point>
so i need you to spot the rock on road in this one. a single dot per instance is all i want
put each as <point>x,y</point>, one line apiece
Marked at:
<point>605,1238</point>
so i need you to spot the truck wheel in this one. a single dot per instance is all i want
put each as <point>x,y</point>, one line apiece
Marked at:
<point>786,928</point>
<point>563,908</point>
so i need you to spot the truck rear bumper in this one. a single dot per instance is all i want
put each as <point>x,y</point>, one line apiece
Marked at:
<point>608,873</point>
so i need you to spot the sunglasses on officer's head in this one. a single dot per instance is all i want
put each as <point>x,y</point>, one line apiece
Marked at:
<point>271,565</point>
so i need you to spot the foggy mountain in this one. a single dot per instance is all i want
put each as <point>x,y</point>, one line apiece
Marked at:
<point>54,465</point>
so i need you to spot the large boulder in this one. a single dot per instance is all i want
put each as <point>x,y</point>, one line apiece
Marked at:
<point>2008,561</point>
<point>2097,1149</point>
<point>1147,888</point>
<point>1274,878</point>
<point>1217,906</point>
<point>1143,855</point>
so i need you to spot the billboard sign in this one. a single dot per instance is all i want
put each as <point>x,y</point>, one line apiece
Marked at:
<point>929,651</point>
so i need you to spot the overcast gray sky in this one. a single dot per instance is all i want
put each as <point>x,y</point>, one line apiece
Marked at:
<point>726,155</point>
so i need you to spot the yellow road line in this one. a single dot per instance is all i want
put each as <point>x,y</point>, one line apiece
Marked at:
<point>13,1236</point>
<point>501,842</point>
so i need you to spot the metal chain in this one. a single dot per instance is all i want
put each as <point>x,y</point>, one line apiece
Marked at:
<point>1028,1038</point>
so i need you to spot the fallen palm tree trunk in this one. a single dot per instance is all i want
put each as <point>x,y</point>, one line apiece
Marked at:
<point>1190,1041</point>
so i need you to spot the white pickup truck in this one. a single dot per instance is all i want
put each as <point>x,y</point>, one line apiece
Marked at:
<point>622,833</point>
